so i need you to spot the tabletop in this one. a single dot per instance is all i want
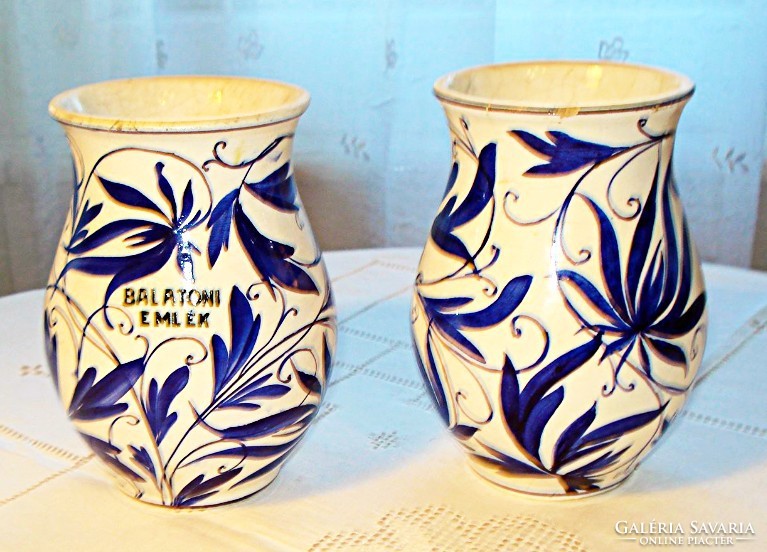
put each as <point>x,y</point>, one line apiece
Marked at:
<point>377,471</point>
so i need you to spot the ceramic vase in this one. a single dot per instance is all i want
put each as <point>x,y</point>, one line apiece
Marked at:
<point>559,311</point>
<point>188,317</point>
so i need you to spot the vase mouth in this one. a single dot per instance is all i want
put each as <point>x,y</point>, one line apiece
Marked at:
<point>179,104</point>
<point>563,87</point>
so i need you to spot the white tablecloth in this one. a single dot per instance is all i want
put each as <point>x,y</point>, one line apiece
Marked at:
<point>378,471</point>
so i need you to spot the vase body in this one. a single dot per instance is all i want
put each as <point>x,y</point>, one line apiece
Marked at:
<point>188,317</point>
<point>559,310</point>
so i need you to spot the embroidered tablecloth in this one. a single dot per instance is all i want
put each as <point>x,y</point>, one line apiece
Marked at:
<point>379,472</point>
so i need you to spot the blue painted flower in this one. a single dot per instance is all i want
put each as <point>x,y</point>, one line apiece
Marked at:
<point>654,306</point>
<point>158,240</point>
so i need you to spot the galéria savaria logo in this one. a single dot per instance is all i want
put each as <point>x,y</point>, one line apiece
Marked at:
<point>695,533</point>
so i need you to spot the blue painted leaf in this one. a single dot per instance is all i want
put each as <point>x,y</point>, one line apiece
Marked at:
<point>640,244</point>
<point>277,189</point>
<point>153,234</point>
<point>107,233</point>
<point>220,363</point>
<point>618,345</point>
<point>89,213</point>
<point>159,400</point>
<point>578,453</point>
<point>672,248</point>
<point>644,358</point>
<point>166,188</point>
<point>481,190</point>
<point>95,401</point>
<point>617,429</point>
<point>223,209</point>
<point>451,180</point>
<point>51,350</point>
<point>430,373</point>
<point>138,266</point>
<point>600,463</point>
<point>269,425</point>
<point>511,465</point>
<point>508,300</point>
<point>464,432</point>
<point>447,303</point>
<point>610,262</point>
<point>221,221</point>
<point>327,359</point>
<point>594,297</point>
<point>677,327</point>
<point>553,373</point>
<point>441,233</point>
<point>435,380</point>
<point>447,325</point>
<point>199,489</point>
<point>256,390</point>
<point>80,235</point>
<point>100,266</point>
<point>98,446</point>
<point>108,454</point>
<point>540,416</point>
<point>263,470</point>
<point>240,405</point>
<point>537,145</point>
<point>570,436</point>
<point>685,280</point>
<point>508,463</point>
<point>565,153</point>
<point>626,353</point>
<point>652,288</point>
<point>451,332</point>
<point>271,259</point>
<point>128,195</point>
<point>510,396</point>
<point>245,331</point>
<point>309,382</point>
<point>187,203</point>
<point>83,385</point>
<point>142,458</point>
<point>668,351</point>
<point>250,451</point>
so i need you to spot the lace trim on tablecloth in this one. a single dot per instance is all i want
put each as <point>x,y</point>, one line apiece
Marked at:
<point>438,528</point>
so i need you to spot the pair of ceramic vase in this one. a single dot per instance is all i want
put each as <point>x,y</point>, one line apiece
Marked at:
<point>558,316</point>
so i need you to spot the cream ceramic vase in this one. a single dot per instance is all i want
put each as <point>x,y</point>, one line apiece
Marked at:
<point>189,320</point>
<point>559,312</point>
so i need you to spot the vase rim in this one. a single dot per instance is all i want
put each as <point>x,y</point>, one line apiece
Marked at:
<point>179,103</point>
<point>563,87</point>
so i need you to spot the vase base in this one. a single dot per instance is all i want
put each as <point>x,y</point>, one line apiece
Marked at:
<point>544,487</point>
<point>225,498</point>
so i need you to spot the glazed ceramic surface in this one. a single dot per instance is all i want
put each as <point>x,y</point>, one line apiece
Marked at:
<point>189,320</point>
<point>559,312</point>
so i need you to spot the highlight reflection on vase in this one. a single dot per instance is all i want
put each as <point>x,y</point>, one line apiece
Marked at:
<point>559,310</point>
<point>189,321</point>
